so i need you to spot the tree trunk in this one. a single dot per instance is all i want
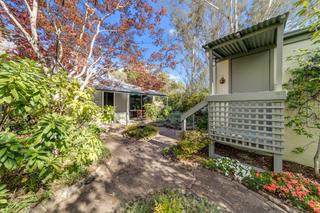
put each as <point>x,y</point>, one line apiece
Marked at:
<point>316,160</point>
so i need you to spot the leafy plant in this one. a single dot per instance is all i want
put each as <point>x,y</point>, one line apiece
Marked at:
<point>23,90</point>
<point>191,142</point>
<point>165,112</point>
<point>11,151</point>
<point>170,201</point>
<point>152,111</point>
<point>108,114</point>
<point>304,97</point>
<point>3,196</point>
<point>141,131</point>
<point>51,131</point>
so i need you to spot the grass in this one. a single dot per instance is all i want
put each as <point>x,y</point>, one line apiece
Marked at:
<point>140,131</point>
<point>170,202</point>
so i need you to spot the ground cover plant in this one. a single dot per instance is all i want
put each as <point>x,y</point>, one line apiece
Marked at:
<point>170,202</point>
<point>48,131</point>
<point>141,131</point>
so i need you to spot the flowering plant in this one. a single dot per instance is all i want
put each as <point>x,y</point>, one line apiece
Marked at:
<point>299,190</point>
<point>229,167</point>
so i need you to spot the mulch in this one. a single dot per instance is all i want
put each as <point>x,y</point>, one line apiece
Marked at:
<point>262,161</point>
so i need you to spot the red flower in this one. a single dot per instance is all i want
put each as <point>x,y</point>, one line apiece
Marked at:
<point>295,181</point>
<point>257,173</point>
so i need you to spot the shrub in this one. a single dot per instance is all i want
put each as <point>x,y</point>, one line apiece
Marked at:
<point>23,92</point>
<point>53,127</point>
<point>151,111</point>
<point>3,196</point>
<point>141,131</point>
<point>108,114</point>
<point>165,112</point>
<point>170,202</point>
<point>191,142</point>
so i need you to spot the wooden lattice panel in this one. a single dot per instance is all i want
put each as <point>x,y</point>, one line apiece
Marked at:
<point>256,125</point>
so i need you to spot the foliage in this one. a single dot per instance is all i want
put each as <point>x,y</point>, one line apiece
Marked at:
<point>51,131</point>
<point>174,120</point>
<point>11,151</point>
<point>183,101</point>
<point>77,49</point>
<point>302,192</point>
<point>141,77</point>
<point>108,114</point>
<point>304,92</point>
<point>23,90</point>
<point>3,196</point>
<point>53,139</point>
<point>152,111</point>
<point>170,202</point>
<point>229,167</point>
<point>141,131</point>
<point>311,10</point>
<point>191,142</point>
<point>23,204</point>
<point>165,112</point>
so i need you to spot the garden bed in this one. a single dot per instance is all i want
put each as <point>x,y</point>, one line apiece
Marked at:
<point>260,161</point>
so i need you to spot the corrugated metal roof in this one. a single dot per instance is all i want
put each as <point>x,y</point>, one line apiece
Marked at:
<point>260,35</point>
<point>114,85</point>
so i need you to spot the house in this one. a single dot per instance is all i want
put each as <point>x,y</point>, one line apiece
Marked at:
<point>127,99</point>
<point>246,105</point>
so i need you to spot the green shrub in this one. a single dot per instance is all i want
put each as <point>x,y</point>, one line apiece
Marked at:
<point>23,92</point>
<point>108,114</point>
<point>191,142</point>
<point>174,120</point>
<point>11,152</point>
<point>151,111</point>
<point>3,196</point>
<point>165,112</point>
<point>170,202</point>
<point>51,131</point>
<point>141,131</point>
<point>51,125</point>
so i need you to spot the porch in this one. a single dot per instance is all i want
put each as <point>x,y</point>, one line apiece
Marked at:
<point>246,102</point>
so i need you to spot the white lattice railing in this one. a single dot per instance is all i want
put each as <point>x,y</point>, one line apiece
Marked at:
<point>249,120</point>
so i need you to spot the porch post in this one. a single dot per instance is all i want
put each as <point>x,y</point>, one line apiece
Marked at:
<point>193,126</point>
<point>184,125</point>
<point>279,56</point>
<point>211,150</point>
<point>128,108</point>
<point>212,73</point>
<point>277,158</point>
<point>212,89</point>
<point>277,163</point>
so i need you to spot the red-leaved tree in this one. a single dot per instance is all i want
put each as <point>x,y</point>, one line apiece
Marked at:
<point>86,37</point>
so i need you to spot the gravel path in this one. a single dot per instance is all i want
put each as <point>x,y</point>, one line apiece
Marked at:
<point>138,168</point>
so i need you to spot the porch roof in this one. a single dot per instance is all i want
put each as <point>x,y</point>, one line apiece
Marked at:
<point>114,85</point>
<point>244,41</point>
